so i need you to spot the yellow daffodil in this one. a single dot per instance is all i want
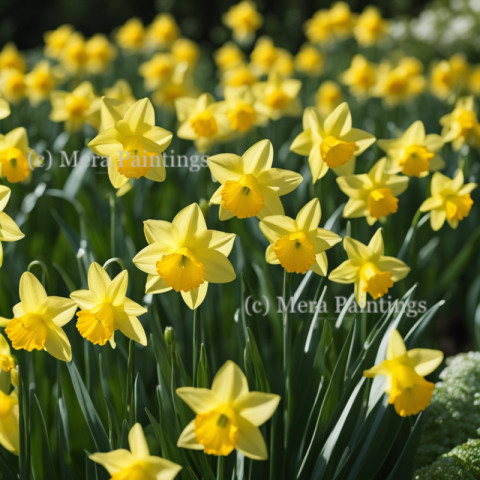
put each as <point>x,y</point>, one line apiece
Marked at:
<point>74,54</point>
<point>227,416</point>
<point>9,231</point>
<point>133,144</point>
<point>136,463</point>
<point>474,80</point>
<point>264,55</point>
<point>179,84</point>
<point>461,126</point>
<point>185,256</point>
<point>184,50</point>
<point>329,97</point>
<point>13,85</point>
<point>318,29</point>
<point>368,268</point>
<point>7,362</point>
<point>284,64</point>
<point>9,422</point>
<point>55,40</point>
<point>157,70</point>
<point>228,56</point>
<point>38,320</point>
<point>40,82</point>
<point>406,388</point>
<point>163,31</point>
<point>244,20</point>
<point>309,60</point>
<point>202,120</point>
<point>100,53</point>
<point>279,96</point>
<point>11,58</point>
<point>448,77</point>
<point>370,27</point>
<point>239,76</point>
<point>131,35</point>
<point>76,108</point>
<point>244,111</point>
<point>121,90</point>
<point>360,77</point>
<point>413,153</point>
<point>104,308</point>
<point>298,245</point>
<point>16,157</point>
<point>341,19</point>
<point>373,195</point>
<point>330,142</point>
<point>450,200</point>
<point>249,185</point>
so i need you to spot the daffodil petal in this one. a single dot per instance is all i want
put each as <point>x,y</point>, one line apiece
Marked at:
<point>425,360</point>
<point>194,298</point>
<point>396,346</point>
<point>257,407</point>
<point>114,461</point>
<point>225,166</point>
<point>137,442</point>
<point>60,310</point>
<point>188,438</point>
<point>276,226</point>
<point>117,289</point>
<point>229,383</point>
<point>258,157</point>
<point>200,400</point>
<point>32,293</point>
<point>57,344</point>
<point>250,441</point>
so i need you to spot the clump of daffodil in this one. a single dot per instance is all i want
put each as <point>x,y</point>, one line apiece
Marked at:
<point>341,19</point>
<point>368,268</point>
<point>414,153</point>
<point>9,422</point>
<point>448,77</point>
<point>132,143</point>
<point>450,200</point>
<point>185,256</point>
<point>309,60</point>
<point>76,108</point>
<point>239,76</point>
<point>244,20</point>
<point>40,82</point>
<point>55,40</point>
<point>298,245</point>
<point>329,97</point>
<point>227,416</point>
<point>157,70</point>
<point>7,362</point>
<point>264,55</point>
<point>38,320</point>
<point>104,308</point>
<point>461,126</point>
<point>373,195</point>
<point>202,120</point>
<point>74,54</point>
<point>330,142</point>
<point>228,56</point>
<point>184,50</point>
<point>249,185</point>
<point>370,27</point>
<point>131,35</point>
<point>406,388</point>
<point>360,77</point>
<point>16,157</point>
<point>136,463</point>
<point>179,84</point>
<point>244,111</point>
<point>11,58</point>
<point>279,96</point>
<point>163,31</point>
<point>9,231</point>
<point>13,85</point>
<point>100,53</point>
<point>121,90</point>
<point>318,29</point>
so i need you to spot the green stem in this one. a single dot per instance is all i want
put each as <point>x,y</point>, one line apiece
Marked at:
<point>220,467</point>
<point>113,260</point>
<point>409,236</point>
<point>129,407</point>
<point>196,343</point>
<point>44,269</point>
<point>112,225</point>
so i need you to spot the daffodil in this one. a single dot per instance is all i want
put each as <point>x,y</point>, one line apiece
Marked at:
<point>185,50</point>
<point>55,40</point>
<point>100,53</point>
<point>13,85</point>
<point>179,84</point>
<point>228,56</point>
<point>76,108</point>
<point>330,142</point>
<point>131,35</point>
<point>7,362</point>
<point>450,200</point>
<point>163,31</point>
<point>461,126</point>
<point>360,77</point>
<point>38,320</point>
<point>157,70</point>
<point>133,144</point>
<point>185,256</point>
<point>9,422</point>
<point>318,29</point>
<point>239,76</point>
<point>244,111</point>
<point>474,80</point>
<point>249,185</point>
<point>368,268</point>
<point>202,120</point>
<point>11,58</point>
<point>104,308</point>
<point>406,388</point>
<point>329,97</point>
<point>341,19</point>
<point>370,27</point>
<point>373,195</point>
<point>414,153</point>
<point>74,54</point>
<point>448,77</point>
<point>244,20</point>
<point>40,82</point>
<point>136,463</point>
<point>298,245</point>
<point>9,231</point>
<point>264,55</point>
<point>121,90</point>
<point>16,157</point>
<point>227,416</point>
<point>309,60</point>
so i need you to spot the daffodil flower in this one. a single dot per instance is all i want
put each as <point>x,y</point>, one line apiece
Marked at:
<point>227,415</point>
<point>406,388</point>
<point>370,27</point>
<point>38,320</point>
<point>9,422</point>
<point>185,256</point>
<point>373,195</point>
<point>244,19</point>
<point>105,308</point>
<point>40,82</point>
<point>249,185</point>
<point>450,200</point>
<point>133,144</point>
<point>360,77</point>
<point>368,268</point>
<point>131,35</point>
<point>9,231</point>
<point>16,158</point>
<point>244,111</point>
<point>298,245</point>
<point>329,97</point>
<point>136,463</point>
<point>7,363</point>
<point>163,31</point>
<point>413,153</point>
<point>330,142</point>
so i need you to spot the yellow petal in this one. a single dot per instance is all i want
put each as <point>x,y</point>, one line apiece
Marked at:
<point>276,226</point>
<point>9,231</point>
<point>379,369</point>
<point>273,204</point>
<point>131,327</point>
<point>98,279</point>
<point>114,461</point>
<point>138,443</point>
<point>229,383</point>
<point>159,231</point>
<point>258,157</point>
<point>194,298</point>
<point>200,400</point>
<point>279,180</point>
<point>156,284</point>
<point>117,289</point>
<point>60,310</point>
<point>302,144</point>
<point>188,438</point>
<point>139,114</point>
<point>4,196</point>
<point>57,344</point>
<point>32,293</point>
<point>346,272</point>
<point>189,221</point>
<point>257,407</point>
<point>318,167</point>
<point>339,122</point>
<point>396,346</point>
<point>376,244</point>
<point>221,242</point>
<point>437,219</point>
<point>309,216</point>
<point>225,166</point>
<point>250,441</point>
<point>85,299</point>
<point>425,360</point>
<point>147,258</point>
<point>396,267</point>
<point>361,138</point>
<point>414,134</point>
<point>356,250</point>
<point>218,268</point>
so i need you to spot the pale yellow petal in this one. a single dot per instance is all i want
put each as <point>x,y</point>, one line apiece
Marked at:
<point>250,441</point>
<point>276,226</point>
<point>230,383</point>
<point>339,122</point>
<point>137,442</point>
<point>225,166</point>
<point>309,216</point>
<point>257,407</point>
<point>200,400</point>
<point>189,221</point>
<point>188,438</point>
<point>32,293</point>
<point>279,180</point>
<point>425,360</point>
<point>258,157</point>
<point>396,346</point>
<point>346,272</point>
<point>114,461</point>
<point>98,279</point>
<point>57,344</point>
<point>194,298</point>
